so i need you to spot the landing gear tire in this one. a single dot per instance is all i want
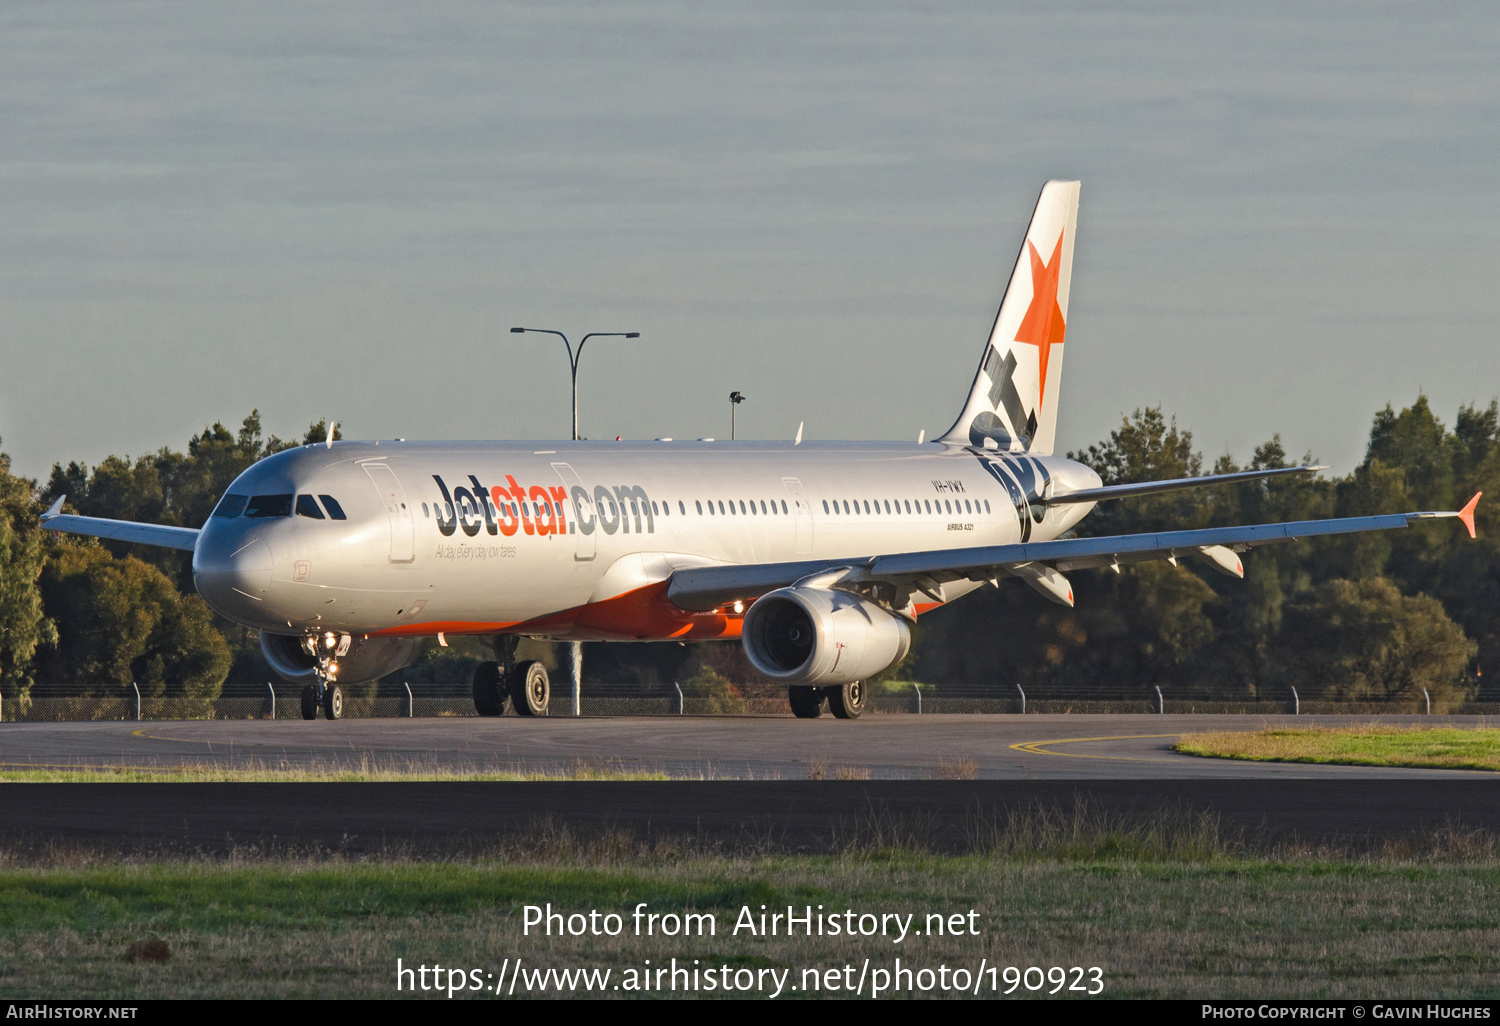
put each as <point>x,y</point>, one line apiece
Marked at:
<point>489,690</point>
<point>333,702</point>
<point>309,703</point>
<point>806,703</point>
<point>530,691</point>
<point>847,700</point>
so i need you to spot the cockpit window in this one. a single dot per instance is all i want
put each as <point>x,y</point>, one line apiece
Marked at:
<point>269,506</point>
<point>334,509</point>
<point>307,506</point>
<point>230,507</point>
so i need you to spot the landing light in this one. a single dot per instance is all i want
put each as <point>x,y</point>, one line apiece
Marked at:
<point>739,607</point>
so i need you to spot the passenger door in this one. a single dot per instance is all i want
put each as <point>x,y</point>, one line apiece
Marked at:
<point>393,496</point>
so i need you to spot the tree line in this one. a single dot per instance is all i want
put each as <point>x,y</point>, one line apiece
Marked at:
<point>1368,617</point>
<point>1359,618</point>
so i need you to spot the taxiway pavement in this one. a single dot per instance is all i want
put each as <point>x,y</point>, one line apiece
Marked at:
<point>742,781</point>
<point>998,747</point>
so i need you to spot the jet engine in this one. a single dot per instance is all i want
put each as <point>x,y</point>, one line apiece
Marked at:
<point>366,659</point>
<point>822,637</point>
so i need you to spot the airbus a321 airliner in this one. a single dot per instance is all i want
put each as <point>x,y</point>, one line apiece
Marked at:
<point>817,556</point>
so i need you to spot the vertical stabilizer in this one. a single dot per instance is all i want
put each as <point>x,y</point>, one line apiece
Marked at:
<point>1013,403</point>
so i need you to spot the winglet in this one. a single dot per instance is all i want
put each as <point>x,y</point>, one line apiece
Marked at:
<point>54,509</point>
<point>1467,513</point>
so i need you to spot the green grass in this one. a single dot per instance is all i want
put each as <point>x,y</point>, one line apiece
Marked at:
<point>1364,745</point>
<point>1167,906</point>
<point>1228,928</point>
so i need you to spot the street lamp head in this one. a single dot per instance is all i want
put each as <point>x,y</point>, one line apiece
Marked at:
<point>736,398</point>
<point>632,334</point>
<point>516,331</point>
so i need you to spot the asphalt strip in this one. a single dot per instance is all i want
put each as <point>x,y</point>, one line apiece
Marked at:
<point>769,815</point>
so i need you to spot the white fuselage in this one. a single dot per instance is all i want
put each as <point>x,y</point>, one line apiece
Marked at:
<point>577,539</point>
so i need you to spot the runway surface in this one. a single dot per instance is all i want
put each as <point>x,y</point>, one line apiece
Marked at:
<point>742,781</point>
<point>1122,747</point>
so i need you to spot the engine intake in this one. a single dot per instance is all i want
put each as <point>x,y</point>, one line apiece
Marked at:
<point>820,636</point>
<point>367,658</point>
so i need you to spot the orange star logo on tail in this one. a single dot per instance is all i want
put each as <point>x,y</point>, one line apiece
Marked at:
<point>1043,325</point>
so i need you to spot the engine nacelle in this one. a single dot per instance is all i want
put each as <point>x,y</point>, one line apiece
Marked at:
<point>367,658</point>
<point>820,636</point>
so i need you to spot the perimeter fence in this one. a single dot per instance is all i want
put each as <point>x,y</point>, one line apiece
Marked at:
<point>280,700</point>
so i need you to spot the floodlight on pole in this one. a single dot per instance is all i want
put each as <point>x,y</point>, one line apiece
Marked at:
<point>735,398</point>
<point>573,357</point>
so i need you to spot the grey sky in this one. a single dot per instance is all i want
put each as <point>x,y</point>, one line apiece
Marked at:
<point>1289,215</point>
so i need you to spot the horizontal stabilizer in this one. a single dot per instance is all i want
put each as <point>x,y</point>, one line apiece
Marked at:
<point>1126,491</point>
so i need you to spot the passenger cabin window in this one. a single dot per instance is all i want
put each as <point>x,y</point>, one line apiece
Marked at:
<point>825,506</point>
<point>986,505</point>
<point>231,506</point>
<point>266,506</point>
<point>699,504</point>
<point>307,506</point>
<point>682,508</point>
<point>783,507</point>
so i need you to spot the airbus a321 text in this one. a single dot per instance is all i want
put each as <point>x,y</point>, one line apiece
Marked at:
<point>816,556</point>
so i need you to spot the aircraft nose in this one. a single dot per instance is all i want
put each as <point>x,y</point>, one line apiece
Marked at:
<point>235,582</point>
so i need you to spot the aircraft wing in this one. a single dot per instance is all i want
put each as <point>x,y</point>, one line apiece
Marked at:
<point>705,588</point>
<point>161,535</point>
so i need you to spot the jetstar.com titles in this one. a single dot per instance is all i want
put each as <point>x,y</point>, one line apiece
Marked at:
<point>541,510</point>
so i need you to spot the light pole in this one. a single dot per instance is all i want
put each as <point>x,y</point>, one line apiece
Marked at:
<point>735,398</point>
<point>574,357</point>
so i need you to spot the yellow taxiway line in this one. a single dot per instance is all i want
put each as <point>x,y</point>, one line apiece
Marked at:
<point>1039,747</point>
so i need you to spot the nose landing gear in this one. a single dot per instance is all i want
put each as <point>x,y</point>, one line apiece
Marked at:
<point>326,650</point>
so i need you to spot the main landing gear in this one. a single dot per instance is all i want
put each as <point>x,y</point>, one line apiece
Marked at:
<point>523,684</point>
<point>846,701</point>
<point>326,650</point>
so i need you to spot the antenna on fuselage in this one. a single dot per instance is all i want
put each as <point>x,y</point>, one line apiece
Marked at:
<point>331,429</point>
<point>798,440</point>
<point>921,436</point>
